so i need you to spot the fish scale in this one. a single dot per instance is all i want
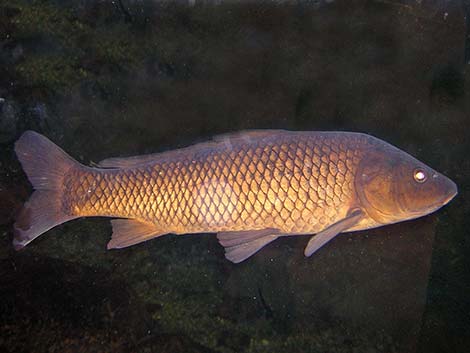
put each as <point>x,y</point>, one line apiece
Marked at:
<point>294,182</point>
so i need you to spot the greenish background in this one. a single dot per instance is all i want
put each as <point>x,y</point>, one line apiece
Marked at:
<point>118,78</point>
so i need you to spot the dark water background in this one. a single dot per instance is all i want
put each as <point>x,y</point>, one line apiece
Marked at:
<point>117,78</point>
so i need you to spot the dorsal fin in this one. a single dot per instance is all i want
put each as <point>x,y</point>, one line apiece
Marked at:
<point>128,162</point>
<point>224,140</point>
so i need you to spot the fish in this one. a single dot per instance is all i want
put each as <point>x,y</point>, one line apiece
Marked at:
<point>249,187</point>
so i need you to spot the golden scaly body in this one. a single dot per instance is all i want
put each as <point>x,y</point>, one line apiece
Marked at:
<point>295,182</point>
<point>250,188</point>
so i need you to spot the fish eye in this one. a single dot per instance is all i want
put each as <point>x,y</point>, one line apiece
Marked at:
<point>420,176</point>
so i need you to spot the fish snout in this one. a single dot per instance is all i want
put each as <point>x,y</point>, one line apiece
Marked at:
<point>452,191</point>
<point>447,188</point>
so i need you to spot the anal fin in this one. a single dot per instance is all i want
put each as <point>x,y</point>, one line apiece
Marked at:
<point>127,232</point>
<point>240,245</point>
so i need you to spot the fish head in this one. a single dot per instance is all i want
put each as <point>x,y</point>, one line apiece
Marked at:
<point>393,186</point>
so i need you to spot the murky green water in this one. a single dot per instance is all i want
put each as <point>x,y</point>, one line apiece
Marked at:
<point>122,78</point>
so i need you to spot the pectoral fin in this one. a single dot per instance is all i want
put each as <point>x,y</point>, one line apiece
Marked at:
<point>241,245</point>
<point>320,239</point>
<point>127,232</point>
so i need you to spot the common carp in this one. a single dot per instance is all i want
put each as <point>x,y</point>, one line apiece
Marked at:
<point>249,187</point>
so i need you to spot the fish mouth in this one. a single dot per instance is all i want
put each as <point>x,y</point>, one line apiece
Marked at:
<point>451,193</point>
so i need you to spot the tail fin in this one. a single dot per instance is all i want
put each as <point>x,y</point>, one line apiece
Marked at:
<point>46,165</point>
